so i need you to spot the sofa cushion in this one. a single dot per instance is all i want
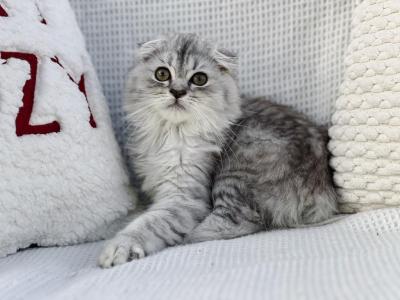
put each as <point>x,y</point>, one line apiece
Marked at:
<point>366,125</point>
<point>62,179</point>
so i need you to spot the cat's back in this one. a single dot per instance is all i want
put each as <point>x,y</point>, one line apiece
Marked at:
<point>263,113</point>
<point>283,162</point>
<point>264,120</point>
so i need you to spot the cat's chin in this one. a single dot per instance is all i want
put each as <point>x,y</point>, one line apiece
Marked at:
<point>175,114</point>
<point>176,106</point>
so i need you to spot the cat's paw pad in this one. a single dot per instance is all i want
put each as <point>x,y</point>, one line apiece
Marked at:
<point>120,250</point>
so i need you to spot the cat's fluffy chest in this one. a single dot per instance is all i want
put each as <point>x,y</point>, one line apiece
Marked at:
<point>178,160</point>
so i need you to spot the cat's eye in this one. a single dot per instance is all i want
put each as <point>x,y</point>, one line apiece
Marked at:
<point>162,74</point>
<point>199,79</point>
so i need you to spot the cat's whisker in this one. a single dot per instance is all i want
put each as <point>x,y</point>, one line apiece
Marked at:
<point>221,139</point>
<point>196,113</point>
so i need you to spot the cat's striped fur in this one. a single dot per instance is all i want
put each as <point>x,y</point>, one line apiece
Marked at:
<point>274,173</point>
<point>215,167</point>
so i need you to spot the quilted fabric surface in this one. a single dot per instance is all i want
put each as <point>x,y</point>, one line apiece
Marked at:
<point>355,258</point>
<point>291,51</point>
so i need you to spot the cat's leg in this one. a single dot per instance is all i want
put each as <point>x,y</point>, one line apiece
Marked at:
<point>164,224</point>
<point>225,223</point>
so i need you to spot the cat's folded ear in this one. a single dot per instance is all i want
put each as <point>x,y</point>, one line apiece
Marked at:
<point>226,60</point>
<point>148,49</point>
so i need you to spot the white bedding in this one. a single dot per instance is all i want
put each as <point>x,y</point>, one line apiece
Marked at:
<point>354,258</point>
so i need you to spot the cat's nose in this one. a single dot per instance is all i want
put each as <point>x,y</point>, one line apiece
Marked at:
<point>177,93</point>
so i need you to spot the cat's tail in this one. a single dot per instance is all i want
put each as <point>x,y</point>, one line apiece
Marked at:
<point>332,219</point>
<point>221,224</point>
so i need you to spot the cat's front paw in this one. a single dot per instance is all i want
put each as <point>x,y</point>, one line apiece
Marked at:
<point>119,250</point>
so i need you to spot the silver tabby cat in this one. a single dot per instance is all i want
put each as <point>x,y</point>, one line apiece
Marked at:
<point>215,165</point>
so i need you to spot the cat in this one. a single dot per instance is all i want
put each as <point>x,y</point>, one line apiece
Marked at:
<point>215,165</point>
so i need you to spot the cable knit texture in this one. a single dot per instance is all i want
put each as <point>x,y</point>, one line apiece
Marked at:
<point>61,175</point>
<point>365,136</point>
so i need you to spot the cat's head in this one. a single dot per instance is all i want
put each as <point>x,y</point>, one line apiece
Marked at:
<point>183,80</point>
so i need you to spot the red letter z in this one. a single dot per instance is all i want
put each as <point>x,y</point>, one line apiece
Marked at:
<point>24,115</point>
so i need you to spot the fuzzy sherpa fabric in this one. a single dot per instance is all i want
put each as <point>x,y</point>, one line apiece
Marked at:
<point>366,126</point>
<point>62,180</point>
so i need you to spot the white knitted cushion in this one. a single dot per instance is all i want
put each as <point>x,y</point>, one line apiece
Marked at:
<point>61,175</point>
<point>366,126</point>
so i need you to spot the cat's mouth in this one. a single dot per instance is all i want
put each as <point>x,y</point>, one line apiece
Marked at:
<point>176,105</point>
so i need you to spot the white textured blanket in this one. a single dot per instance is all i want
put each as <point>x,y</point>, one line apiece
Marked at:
<point>354,258</point>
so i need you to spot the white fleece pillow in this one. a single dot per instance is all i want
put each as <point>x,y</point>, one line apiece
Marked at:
<point>62,180</point>
<point>366,126</point>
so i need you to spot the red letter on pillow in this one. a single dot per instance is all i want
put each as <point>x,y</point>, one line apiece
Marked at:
<point>82,89</point>
<point>43,20</point>
<point>24,115</point>
<point>3,13</point>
